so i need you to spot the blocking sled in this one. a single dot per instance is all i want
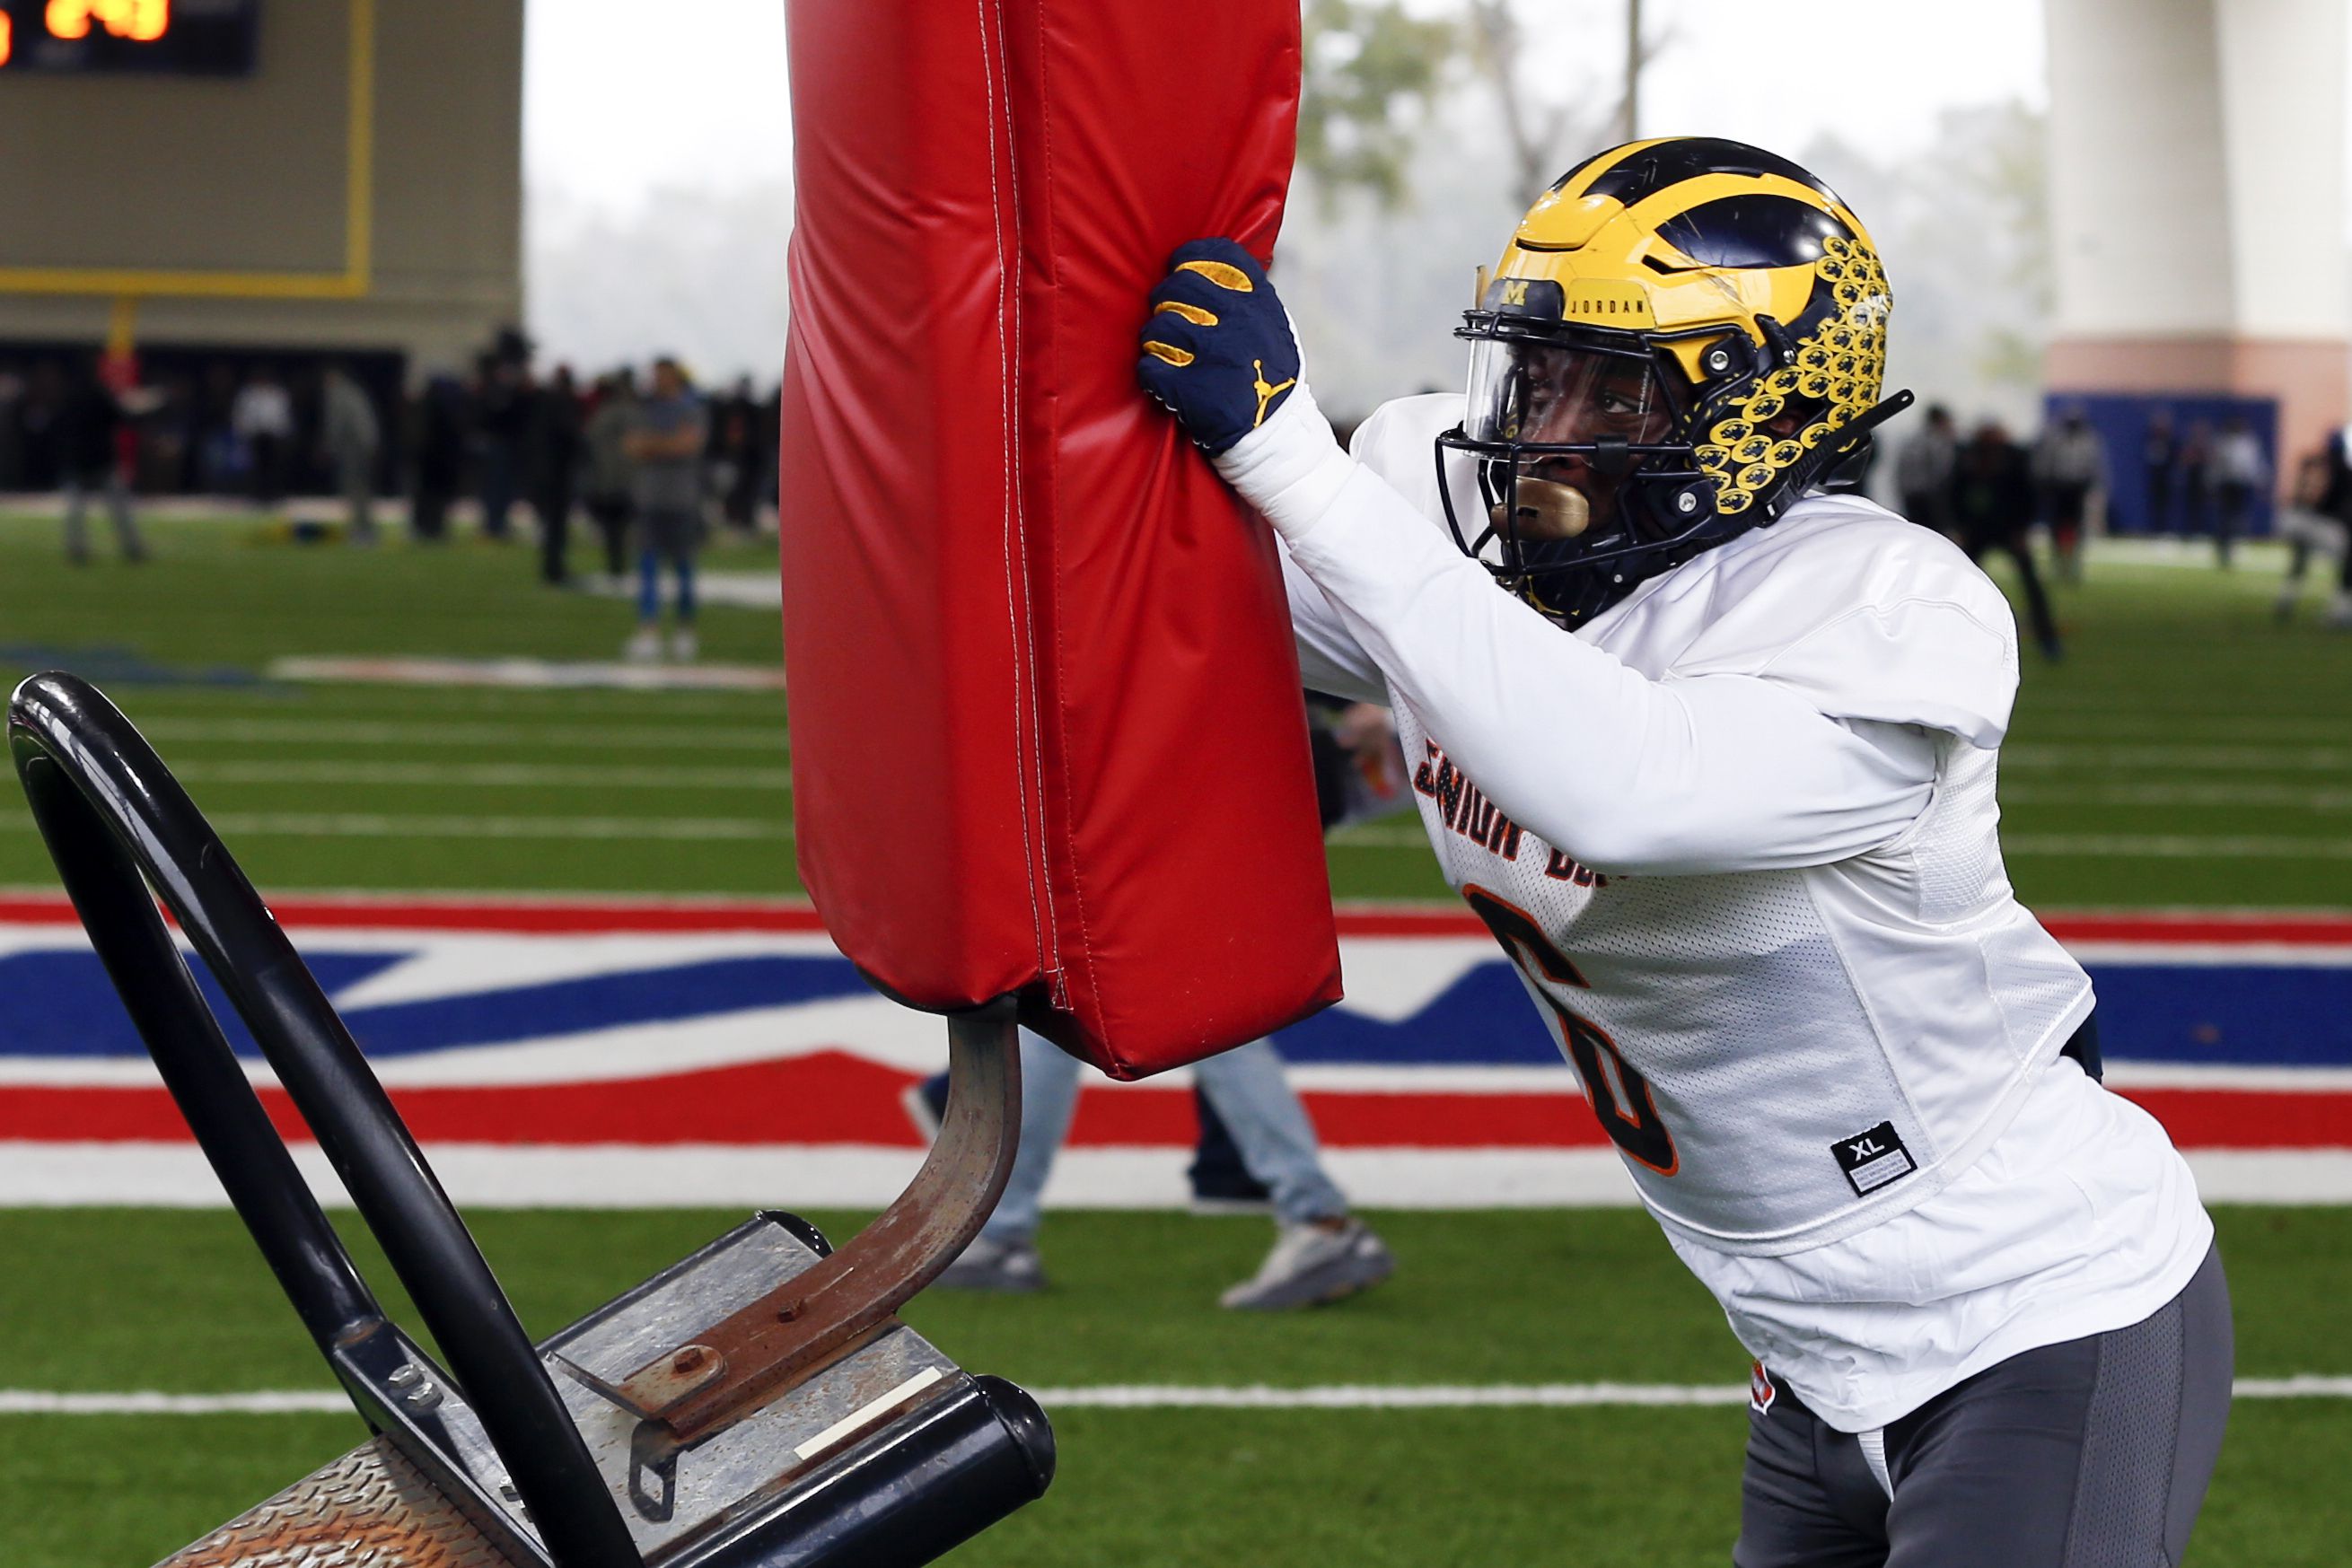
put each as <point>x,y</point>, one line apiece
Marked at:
<point>757,1405</point>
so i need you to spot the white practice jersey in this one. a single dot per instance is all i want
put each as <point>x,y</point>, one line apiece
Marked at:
<point>1739,835</point>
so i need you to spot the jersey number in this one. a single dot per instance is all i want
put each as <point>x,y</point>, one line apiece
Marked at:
<point>1621,1096</point>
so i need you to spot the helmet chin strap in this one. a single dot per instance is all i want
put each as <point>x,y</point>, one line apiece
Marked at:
<point>1544,510</point>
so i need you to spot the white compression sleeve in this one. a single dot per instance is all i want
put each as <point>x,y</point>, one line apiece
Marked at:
<point>1627,774</point>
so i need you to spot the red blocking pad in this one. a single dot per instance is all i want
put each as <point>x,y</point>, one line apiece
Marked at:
<point>1047,736</point>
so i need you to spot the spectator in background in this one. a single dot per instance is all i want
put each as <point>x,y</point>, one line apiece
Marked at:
<point>262,419</point>
<point>437,438</point>
<point>12,440</point>
<point>349,438</point>
<point>2336,503</point>
<point>667,441</point>
<point>223,466</point>
<point>89,427</point>
<point>770,427</point>
<point>1992,504</point>
<point>2071,463</point>
<point>2310,527</point>
<point>168,439</point>
<point>2239,471</point>
<point>2159,452</point>
<point>37,428</point>
<point>611,473</point>
<point>2196,483</point>
<point>551,451</point>
<point>502,401</point>
<point>1923,471</point>
<point>735,443</point>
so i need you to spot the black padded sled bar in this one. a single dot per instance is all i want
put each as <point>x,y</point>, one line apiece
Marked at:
<point>109,811</point>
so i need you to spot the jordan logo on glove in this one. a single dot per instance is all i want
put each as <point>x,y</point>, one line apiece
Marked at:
<point>1267,393</point>
<point>1218,351</point>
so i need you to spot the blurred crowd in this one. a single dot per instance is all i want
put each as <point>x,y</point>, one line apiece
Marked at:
<point>1993,494</point>
<point>648,459</point>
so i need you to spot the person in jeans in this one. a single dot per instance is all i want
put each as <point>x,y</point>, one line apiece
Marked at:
<point>1249,1114</point>
<point>667,441</point>
<point>1321,1252</point>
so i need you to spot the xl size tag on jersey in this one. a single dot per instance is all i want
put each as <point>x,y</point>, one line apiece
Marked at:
<point>1872,1159</point>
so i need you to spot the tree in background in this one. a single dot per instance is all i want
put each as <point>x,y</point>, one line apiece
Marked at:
<point>1372,73</point>
<point>1549,124</point>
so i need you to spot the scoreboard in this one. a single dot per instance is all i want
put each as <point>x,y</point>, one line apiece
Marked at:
<point>161,37</point>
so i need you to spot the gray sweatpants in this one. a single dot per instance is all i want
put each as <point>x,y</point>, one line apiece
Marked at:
<point>2092,1453</point>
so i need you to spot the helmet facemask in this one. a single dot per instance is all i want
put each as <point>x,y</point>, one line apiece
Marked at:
<point>1580,462</point>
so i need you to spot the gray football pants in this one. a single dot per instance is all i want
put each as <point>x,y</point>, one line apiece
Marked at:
<point>2092,1453</point>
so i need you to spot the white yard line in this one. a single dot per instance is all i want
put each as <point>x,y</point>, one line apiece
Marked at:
<point>43,1175</point>
<point>529,673</point>
<point>2040,754</point>
<point>1128,1396</point>
<point>494,775</point>
<point>2104,723</point>
<point>2178,846</point>
<point>517,734</point>
<point>2280,795</point>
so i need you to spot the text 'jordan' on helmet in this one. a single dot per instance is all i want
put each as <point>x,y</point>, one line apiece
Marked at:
<point>1683,336</point>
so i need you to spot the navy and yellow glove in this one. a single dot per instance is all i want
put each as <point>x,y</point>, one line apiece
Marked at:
<point>1218,350</point>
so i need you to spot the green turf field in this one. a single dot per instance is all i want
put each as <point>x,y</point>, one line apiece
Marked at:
<point>2189,752</point>
<point>1480,1298</point>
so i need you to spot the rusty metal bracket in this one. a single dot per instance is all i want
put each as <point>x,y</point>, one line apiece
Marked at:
<point>758,1350</point>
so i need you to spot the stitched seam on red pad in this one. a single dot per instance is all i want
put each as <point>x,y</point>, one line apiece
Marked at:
<point>1042,928</point>
<point>1061,663</point>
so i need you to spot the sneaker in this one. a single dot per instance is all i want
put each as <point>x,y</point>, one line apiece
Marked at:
<point>1002,1268</point>
<point>1311,1265</point>
<point>926,1104</point>
<point>643,648</point>
<point>683,646</point>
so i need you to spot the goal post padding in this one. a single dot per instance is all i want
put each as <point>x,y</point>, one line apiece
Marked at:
<point>1046,726</point>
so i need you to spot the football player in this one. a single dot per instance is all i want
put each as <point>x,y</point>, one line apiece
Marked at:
<point>1712,751</point>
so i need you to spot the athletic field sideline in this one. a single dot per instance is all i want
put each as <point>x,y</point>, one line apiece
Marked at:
<point>2190,754</point>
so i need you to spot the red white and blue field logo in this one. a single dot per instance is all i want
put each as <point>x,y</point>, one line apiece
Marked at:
<point>551,1053</point>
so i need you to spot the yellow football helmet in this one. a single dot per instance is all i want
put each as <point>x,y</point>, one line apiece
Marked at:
<point>1683,337</point>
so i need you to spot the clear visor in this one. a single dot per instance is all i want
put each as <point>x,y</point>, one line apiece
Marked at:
<point>1557,394</point>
